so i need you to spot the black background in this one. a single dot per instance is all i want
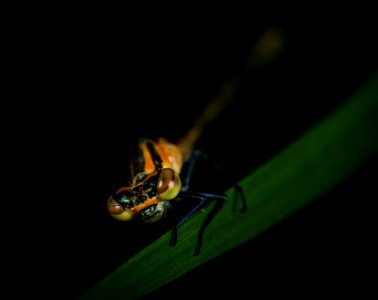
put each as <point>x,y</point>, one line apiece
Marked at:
<point>99,85</point>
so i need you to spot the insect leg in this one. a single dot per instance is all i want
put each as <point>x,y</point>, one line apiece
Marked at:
<point>188,177</point>
<point>203,197</point>
<point>198,153</point>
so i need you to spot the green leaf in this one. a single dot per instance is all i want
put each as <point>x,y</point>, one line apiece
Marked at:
<point>306,169</point>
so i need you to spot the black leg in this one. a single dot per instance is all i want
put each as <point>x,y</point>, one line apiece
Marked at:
<point>203,197</point>
<point>214,211</point>
<point>189,172</point>
<point>197,153</point>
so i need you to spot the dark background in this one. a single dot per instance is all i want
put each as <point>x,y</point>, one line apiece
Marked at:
<point>99,86</point>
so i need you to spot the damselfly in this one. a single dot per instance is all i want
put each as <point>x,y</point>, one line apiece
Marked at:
<point>156,165</point>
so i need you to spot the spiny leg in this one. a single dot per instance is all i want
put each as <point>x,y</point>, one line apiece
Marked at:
<point>203,197</point>
<point>198,153</point>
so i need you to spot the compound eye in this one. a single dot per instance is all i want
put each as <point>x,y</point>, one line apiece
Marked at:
<point>168,184</point>
<point>118,212</point>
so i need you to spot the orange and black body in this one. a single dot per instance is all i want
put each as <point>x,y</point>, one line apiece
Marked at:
<point>155,172</point>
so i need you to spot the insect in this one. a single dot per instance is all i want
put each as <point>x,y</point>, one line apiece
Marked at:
<point>156,167</point>
<point>156,172</point>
